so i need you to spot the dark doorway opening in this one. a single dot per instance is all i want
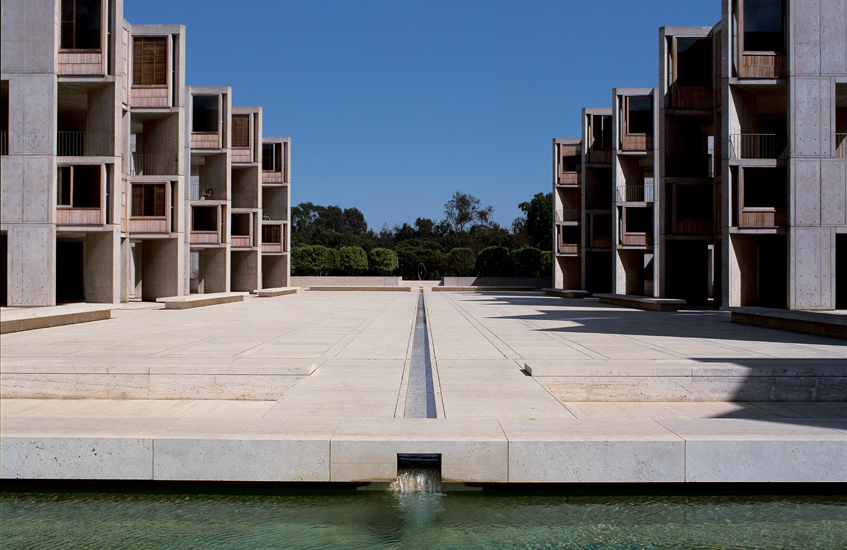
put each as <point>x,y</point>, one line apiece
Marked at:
<point>841,272</point>
<point>4,266</point>
<point>70,283</point>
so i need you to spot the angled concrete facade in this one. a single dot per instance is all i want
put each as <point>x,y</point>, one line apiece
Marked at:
<point>102,164</point>
<point>738,197</point>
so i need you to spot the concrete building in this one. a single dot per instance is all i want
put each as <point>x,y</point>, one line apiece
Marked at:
<point>119,182</point>
<point>276,212</point>
<point>730,178</point>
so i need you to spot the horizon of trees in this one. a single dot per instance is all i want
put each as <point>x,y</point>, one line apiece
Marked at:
<point>331,240</point>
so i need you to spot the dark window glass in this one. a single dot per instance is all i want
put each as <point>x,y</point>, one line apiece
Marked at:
<point>81,24</point>
<point>640,115</point>
<point>63,197</point>
<point>639,220</point>
<point>271,234</point>
<point>268,157</point>
<point>204,113</point>
<point>204,219</point>
<point>86,187</point>
<point>602,227</point>
<point>694,63</point>
<point>764,25</point>
<point>694,202</point>
<point>240,225</point>
<point>764,187</point>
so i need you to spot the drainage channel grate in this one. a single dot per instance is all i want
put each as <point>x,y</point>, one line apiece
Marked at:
<point>420,397</point>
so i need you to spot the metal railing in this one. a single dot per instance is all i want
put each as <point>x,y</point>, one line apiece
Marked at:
<point>244,200</point>
<point>153,165</point>
<point>635,193</point>
<point>757,146</point>
<point>84,144</point>
<point>841,146</point>
<point>567,215</point>
<point>4,143</point>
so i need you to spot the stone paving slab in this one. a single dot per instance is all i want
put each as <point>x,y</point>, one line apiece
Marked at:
<point>341,418</point>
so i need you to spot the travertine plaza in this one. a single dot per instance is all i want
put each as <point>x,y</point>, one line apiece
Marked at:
<point>724,184</point>
<point>130,188</point>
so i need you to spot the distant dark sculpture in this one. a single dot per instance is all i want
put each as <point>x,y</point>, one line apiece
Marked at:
<point>421,272</point>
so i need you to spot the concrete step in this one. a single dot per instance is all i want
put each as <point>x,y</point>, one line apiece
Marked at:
<point>201,300</point>
<point>17,320</point>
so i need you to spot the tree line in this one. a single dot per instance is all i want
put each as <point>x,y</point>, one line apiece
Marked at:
<point>329,240</point>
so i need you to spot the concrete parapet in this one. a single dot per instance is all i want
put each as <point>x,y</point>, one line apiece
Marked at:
<point>534,282</point>
<point>272,292</point>
<point>483,289</point>
<point>306,282</point>
<point>363,288</point>
<point>201,300</point>
<point>16,320</point>
<point>641,302</point>
<point>809,322</point>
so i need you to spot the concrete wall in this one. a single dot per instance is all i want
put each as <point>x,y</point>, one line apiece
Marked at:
<point>246,271</point>
<point>161,268</point>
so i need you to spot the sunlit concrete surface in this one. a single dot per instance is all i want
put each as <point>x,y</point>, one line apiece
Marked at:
<point>528,388</point>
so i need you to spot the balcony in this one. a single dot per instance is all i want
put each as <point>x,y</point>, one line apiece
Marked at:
<point>757,146</point>
<point>568,249</point>
<point>765,218</point>
<point>205,140</point>
<point>693,227</point>
<point>840,146</point>
<point>567,216</point>
<point>570,178</point>
<point>241,241</point>
<point>75,63</point>
<point>79,216</point>
<point>599,156</point>
<point>637,142</point>
<point>272,177</point>
<point>692,98</point>
<point>601,242</point>
<point>242,155</point>
<point>762,65</point>
<point>637,239</point>
<point>272,239</point>
<point>635,193</point>
<point>153,165</point>
<point>84,144</point>
<point>205,237</point>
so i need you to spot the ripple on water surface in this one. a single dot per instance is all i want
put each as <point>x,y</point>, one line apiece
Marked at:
<point>377,520</point>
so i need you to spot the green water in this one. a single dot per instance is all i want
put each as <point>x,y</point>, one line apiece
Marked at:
<point>50,518</point>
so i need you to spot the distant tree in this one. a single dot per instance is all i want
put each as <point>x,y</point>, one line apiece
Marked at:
<point>313,260</point>
<point>383,261</point>
<point>461,261</point>
<point>353,260</point>
<point>530,262</point>
<point>539,220</point>
<point>464,209</point>
<point>494,261</point>
<point>413,252</point>
<point>423,228</point>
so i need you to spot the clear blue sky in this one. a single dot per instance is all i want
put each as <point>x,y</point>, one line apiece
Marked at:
<point>392,105</point>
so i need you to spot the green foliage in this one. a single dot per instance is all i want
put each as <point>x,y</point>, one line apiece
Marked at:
<point>538,223</point>
<point>313,260</point>
<point>463,209</point>
<point>413,252</point>
<point>531,262</point>
<point>461,261</point>
<point>383,261</point>
<point>494,261</point>
<point>353,260</point>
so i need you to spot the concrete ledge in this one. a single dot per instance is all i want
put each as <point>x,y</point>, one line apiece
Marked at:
<point>273,292</point>
<point>17,320</point>
<point>575,294</point>
<point>201,300</point>
<point>641,302</point>
<point>809,322</point>
<point>363,288</point>
<point>483,289</point>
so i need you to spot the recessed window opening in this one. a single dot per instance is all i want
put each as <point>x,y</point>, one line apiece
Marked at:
<point>204,219</point>
<point>241,131</point>
<point>602,226</point>
<point>601,128</point>
<point>241,225</point>
<point>694,62</point>
<point>148,200</point>
<point>570,163</point>
<point>640,115</point>
<point>79,186</point>
<point>694,202</point>
<point>150,61</point>
<point>764,24</point>
<point>81,24</point>
<point>204,113</point>
<point>764,188</point>
<point>271,234</point>
<point>639,220</point>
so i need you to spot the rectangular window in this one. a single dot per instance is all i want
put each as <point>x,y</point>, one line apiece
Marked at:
<point>639,115</point>
<point>148,200</point>
<point>639,220</point>
<point>241,131</point>
<point>694,62</point>
<point>204,113</point>
<point>764,187</point>
<point>601,128</point>
<point>79,186</point>
<point>271,234</point>
<point>81,24</point>
<point>764,24</point>
<point>150,61</point>
<point>694,202</point>
<point>204,219</point>
<point>272,157</point>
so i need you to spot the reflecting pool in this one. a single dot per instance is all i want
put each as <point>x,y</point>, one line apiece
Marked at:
<point>304,518</point>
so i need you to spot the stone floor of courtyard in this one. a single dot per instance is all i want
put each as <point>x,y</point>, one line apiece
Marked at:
<point>528,388</point>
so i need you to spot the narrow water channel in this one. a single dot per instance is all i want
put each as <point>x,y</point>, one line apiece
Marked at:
<point>420,398</point>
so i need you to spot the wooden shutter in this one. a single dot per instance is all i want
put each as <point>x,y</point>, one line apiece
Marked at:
<point>150,61</point>
<point>241,130</point>
<point>137,200</point>
<point>158,200</point>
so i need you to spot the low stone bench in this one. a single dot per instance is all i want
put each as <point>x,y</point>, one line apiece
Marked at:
<point>808,322</point>
<point>483,289</point>
<point>281,291</point>
<point>364,288</point>
<point>575,294</point>
<point>201,300</point>
<point>641,302</point>
<point>17,320</point>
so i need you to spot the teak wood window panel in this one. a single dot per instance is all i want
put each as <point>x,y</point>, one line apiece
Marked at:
<point>82,24</point>
<point>758,63</point>
<point>241,131</point>
<point>150,61</point>
<point>149,200</point>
